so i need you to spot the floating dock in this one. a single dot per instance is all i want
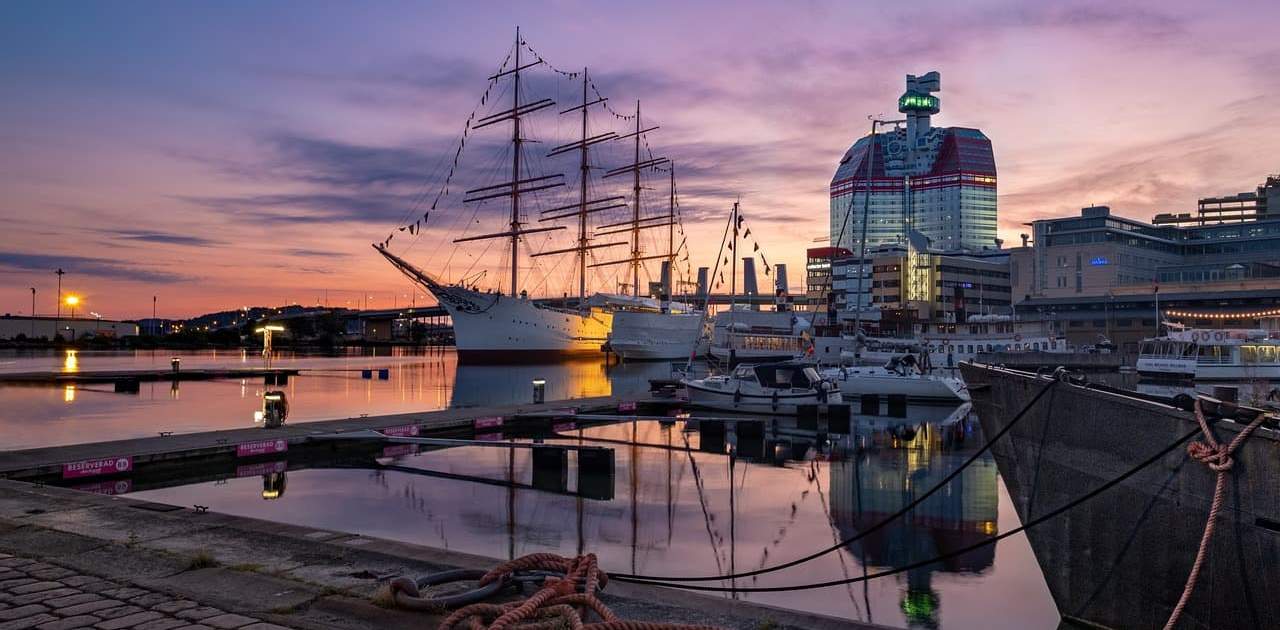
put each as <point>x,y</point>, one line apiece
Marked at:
<point>118,376</point>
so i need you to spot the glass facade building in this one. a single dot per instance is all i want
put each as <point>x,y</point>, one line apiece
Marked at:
<point>939,182</point>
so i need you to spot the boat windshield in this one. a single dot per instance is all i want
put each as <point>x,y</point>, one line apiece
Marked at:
<point>1168,348</point>
<point>745,373</point>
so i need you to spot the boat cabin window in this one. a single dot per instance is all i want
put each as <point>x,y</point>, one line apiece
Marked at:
<point>745,373</point>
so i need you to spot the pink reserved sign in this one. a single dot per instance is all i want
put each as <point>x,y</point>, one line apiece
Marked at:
<point>488,422</point>
<point>408,430</point>
<point>95,467</point>
<point>261,447</point>
<point>627,406</point>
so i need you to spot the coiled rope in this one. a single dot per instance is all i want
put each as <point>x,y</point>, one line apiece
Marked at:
<point>1217,457</point>
<point>558,604</point>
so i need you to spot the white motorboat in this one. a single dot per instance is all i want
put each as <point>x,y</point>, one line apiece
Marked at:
<point>897,379</point>
<point>1202,354</point>
<point>770,388</point>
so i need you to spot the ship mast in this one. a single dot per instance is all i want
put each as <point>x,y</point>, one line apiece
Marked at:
<point>635,215</point>
<point>515,170</point>
<point>636,223</point>
<point>584,206</point>
<point>516,186</point>
<point>671,236</point>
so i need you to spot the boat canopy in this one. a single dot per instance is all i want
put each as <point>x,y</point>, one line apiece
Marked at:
<point>784,375</point>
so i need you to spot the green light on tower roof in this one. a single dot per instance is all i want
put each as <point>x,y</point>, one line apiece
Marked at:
<point>912,101</point>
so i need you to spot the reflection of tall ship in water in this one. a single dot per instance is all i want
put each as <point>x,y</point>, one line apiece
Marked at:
<point>904,462</point>
<point>505,324</point>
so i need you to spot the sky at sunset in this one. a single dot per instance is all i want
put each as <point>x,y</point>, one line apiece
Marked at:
<point>225,154</point>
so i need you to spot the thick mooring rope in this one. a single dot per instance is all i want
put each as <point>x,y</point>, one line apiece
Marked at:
<point>1217,457</point>
<point>557,604</point>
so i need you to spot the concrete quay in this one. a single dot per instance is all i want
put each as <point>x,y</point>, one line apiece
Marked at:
<point>109,563</point>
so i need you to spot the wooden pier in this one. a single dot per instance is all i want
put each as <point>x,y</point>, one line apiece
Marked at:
<point>117,376</point>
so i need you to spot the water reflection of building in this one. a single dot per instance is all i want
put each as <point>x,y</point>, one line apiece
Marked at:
<point>897,468</point>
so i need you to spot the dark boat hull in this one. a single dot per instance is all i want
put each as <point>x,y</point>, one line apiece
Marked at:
<point>1120,560</point>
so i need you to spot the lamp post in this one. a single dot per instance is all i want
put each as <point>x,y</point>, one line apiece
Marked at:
<point>72,301</point>
<point>266,340</point>
<point>57,323</point>
<point>33,312</point>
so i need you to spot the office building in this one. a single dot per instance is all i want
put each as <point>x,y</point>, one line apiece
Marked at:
<point>938,181</point>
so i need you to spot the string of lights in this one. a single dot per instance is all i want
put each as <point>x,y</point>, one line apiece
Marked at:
<point>1275,312</point>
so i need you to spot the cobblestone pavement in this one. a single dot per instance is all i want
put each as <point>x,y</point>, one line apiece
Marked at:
<point>49,597</point>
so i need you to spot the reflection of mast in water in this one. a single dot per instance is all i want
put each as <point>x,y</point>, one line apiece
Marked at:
<point>890,475</point>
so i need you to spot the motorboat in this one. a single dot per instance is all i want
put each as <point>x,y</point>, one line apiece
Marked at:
<point>901,376</point>
<point>770,388</point>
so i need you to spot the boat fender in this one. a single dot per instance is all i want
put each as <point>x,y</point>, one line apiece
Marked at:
<point>737,396</point>
<point>775,400</point>
<point>822,393</point>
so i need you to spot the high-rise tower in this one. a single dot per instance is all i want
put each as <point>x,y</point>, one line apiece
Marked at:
<point>938,181</point>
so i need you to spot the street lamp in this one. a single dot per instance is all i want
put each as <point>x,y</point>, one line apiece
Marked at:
<point>266,331</point>
<point>72,301</point>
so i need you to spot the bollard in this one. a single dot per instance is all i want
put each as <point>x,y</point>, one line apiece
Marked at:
<point>366,374</point>
<point>275,408</point>
<point>384,374</point>
<point>176,364</point>
<point>595,473</point>
<point>1226,393</point>
<point>539,390</point>
<point>838,419</point>
<point>807,417</point>
<point>870,405</point>
<point>128,386</point>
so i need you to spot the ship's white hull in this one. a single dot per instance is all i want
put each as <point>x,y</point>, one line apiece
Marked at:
<point>494,328</point>
<point>709,396</point>
<point>642,335</point>
<point>856,382</point>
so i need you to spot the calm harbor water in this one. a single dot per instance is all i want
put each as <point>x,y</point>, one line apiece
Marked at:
<point>330,387</point>
<point>682,501</point>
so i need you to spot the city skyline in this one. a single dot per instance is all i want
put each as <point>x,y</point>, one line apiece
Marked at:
<point>228,155</point>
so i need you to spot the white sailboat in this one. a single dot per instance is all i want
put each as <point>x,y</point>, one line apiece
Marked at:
<point>511,327</point>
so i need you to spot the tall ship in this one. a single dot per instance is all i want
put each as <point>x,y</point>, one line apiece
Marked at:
<point>505,324</point>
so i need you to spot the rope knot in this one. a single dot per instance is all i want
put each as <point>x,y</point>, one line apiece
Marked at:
<point>1216,456</point>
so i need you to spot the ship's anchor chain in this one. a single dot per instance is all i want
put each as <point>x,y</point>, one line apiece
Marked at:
<point>568,593</point>
<point>1217,457</point>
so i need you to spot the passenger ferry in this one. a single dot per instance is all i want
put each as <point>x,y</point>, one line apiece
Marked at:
<point>947,344</point>
<point>1212,354</point>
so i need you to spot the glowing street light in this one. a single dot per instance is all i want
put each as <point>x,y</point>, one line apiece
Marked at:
<point>266,331</point>
<point>72,301</point>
